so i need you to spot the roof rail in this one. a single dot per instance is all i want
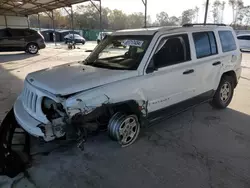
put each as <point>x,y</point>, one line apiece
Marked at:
<point>201,24</point>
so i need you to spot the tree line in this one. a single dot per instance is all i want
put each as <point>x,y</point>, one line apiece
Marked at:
<point>87,17</point>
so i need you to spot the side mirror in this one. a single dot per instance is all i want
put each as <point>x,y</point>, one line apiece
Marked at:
<point>151,66</point>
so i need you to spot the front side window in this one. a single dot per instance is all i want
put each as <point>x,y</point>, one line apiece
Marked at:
<point>205,44</point>
<point>227,41</point>
<point>120,52</point>
<point>172,50</point>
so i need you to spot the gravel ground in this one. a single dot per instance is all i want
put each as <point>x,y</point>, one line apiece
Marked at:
<point>202,147</point>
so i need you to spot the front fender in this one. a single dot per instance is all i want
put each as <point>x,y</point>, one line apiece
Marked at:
<point>78,104</point>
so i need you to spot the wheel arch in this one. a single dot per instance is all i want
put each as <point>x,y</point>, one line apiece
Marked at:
<point>232,74</point>
<point>32,43</point>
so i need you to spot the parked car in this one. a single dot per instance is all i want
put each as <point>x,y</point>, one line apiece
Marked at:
<point>76,38</point>
<point>27,40</point>
<point>162,72</point>
<point>244,41</point>
<point>102,35</point>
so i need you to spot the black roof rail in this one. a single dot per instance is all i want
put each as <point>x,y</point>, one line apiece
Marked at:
<point>201,24</point>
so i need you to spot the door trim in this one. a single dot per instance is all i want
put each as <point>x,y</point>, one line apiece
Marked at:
<point>170,111</point>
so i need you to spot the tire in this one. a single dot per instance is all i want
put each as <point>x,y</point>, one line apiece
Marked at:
<point>124,128</point>
<point>32,48</point>
<point>83,43</point>
<point>224,94</point>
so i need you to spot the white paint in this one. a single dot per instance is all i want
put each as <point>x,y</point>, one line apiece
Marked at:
<point>245,42</point>
<point>75,77</point>
<point>162,88</point>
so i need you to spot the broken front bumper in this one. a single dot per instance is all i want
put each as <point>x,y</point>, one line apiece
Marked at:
<point>28,123</point>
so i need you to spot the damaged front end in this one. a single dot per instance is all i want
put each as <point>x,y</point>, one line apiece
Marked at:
<point>74,122</point>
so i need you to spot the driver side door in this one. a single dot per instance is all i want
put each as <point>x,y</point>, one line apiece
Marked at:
<point>173,78</point>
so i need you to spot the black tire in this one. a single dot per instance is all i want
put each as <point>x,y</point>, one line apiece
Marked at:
<point>32,48</point>
<point>66,42</point>
<point>83,43</point>
<point>224,94</point>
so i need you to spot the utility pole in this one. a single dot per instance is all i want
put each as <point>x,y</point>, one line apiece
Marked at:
<point>145,2</point>
<point>206,12</point>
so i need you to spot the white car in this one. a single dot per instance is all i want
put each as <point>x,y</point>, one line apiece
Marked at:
<point>244,41</point>
<point>162,72</point>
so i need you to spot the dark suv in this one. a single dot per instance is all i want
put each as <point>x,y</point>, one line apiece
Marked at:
<point>21,40</point>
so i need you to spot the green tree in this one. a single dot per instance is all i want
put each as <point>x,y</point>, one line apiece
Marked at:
<point>118,19</point>
<point>223,4</point>
<point>135,20</point>
<point>187,16</point>
<point>237,6</point>
<point>162,19</point>
<point>216,10</point>
<point>174,21</point>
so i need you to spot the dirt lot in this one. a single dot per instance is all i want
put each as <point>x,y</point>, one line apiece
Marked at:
<point>203,147</point>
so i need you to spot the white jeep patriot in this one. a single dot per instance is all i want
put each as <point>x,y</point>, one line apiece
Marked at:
<point>159,72</point>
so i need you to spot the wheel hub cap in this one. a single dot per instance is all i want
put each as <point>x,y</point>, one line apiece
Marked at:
<point>225,92</point>
<point>32,48</point>
<point>128,130</point>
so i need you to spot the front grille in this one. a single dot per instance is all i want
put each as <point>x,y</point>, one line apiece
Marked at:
<point>29,99</point>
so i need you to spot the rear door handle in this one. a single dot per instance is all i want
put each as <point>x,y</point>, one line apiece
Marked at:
<point>216,63</point>
<point>188,71</point>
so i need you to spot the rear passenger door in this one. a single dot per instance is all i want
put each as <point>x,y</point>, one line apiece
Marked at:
<point>208,62</point>
<point>17,39</point>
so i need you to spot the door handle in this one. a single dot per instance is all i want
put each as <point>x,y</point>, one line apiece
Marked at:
<point>216,63</point>
<point>188,71</point>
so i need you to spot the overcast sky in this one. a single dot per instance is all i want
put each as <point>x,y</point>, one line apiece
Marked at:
<point>172,7</point>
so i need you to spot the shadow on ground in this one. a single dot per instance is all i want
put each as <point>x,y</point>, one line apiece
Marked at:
<point>198,148</point>
<point>5,57</point>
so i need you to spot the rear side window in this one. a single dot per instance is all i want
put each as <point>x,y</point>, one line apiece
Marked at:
<point>244,37</point>
<point>17,32</point>
<point>205,44</point>
<point>29,32</point>
<point>227,41</point>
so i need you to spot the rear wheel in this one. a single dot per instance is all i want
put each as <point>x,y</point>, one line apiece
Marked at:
<point>124,128</point>
<point>224,94</point>
<point>32,48</point>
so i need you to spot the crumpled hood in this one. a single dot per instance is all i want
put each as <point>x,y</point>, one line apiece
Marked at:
<point>75,77</point>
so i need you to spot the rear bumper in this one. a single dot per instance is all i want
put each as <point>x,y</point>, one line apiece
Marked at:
<point>42,46</point>
<point>28,123</point>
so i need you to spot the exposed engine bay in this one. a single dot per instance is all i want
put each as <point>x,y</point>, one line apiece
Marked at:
<point>75,127</point>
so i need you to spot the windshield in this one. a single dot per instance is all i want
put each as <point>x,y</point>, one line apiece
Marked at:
<point>119,52</point>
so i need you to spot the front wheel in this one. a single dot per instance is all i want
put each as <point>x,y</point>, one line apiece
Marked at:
<point>32,48</point>
<point>224,94</point>
<point>124,128</point>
